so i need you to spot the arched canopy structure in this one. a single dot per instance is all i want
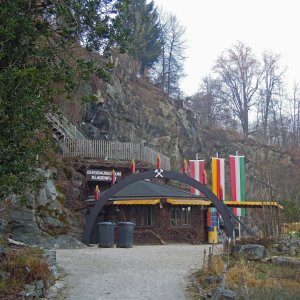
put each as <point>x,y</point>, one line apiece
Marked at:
<point>158,173</point>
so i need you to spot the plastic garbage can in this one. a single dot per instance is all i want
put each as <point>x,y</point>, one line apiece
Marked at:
<point>125,234</point>
<point>95,235</point>
<point>106,234</point>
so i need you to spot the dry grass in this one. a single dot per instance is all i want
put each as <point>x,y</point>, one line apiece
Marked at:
<point>213,268</point>
<point>254,280</point>
<point>255,274</point>
<point>24,265</point>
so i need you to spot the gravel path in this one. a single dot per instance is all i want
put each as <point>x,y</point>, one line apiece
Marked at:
<point>141,272</point>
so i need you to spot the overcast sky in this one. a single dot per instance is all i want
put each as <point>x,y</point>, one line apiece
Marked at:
<point>215,25</point>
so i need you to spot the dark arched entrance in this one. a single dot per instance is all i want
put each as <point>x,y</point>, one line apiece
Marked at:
<point>156,174</point>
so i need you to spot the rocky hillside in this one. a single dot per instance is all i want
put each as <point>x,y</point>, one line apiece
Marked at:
<point>131,109</point>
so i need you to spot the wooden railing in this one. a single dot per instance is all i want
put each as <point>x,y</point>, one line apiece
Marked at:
<point>63,127</point>
<point>112,151</point>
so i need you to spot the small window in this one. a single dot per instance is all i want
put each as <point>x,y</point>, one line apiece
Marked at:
<point>181,216</point>
<point>143,215</point>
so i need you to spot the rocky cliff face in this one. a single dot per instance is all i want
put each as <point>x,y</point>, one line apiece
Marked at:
<point>132,110</point>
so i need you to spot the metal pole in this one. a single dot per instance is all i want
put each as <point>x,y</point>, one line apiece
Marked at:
<point>239,227</point>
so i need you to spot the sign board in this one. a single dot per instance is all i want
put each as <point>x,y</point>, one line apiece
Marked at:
<point>101,175</point>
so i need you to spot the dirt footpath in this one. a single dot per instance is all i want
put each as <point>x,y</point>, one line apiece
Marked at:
<point>141,272</point>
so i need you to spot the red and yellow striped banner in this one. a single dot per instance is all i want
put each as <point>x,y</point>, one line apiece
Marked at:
<point>218,177</point>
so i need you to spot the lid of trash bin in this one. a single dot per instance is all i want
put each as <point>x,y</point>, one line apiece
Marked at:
<point>125,223</point>
<point>105,223</point>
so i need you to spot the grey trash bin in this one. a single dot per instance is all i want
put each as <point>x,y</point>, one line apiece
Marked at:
<point>125,234</point>
<point>106,234</point>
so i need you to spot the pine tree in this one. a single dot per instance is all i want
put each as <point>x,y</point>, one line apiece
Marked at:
<point>140,23</point>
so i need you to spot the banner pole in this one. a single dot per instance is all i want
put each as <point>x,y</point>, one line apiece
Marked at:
<point>239,227</point>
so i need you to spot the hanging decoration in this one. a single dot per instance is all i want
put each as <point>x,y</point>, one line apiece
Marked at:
<point>158,162</point>
<point>237,174</point>
<point>113,177</point>
<point>184,168</point>
<point>132,167</point>
<point>197,171</point>
<point>218,177</point>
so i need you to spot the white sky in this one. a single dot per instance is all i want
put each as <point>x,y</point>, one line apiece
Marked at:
<point>215,25</point>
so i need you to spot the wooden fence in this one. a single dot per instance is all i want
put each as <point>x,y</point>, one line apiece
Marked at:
<point>112,151</point>
<point>288,227</point>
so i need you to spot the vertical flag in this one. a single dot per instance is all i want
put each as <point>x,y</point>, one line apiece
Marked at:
<point>113,177</point>
<point>184,167</point>
<point>132,167</point>
<point>218,177</point>
<point>237,173</point>
<point>197,171</point>
<point>158,162</point>
<point>218,188</point>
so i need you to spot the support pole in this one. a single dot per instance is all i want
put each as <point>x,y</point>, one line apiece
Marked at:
<point>239,227</point>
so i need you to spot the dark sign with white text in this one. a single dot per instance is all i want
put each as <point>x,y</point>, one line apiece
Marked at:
<point>101,175</point>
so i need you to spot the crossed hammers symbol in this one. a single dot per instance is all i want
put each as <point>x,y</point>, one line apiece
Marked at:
<point>159,172</point>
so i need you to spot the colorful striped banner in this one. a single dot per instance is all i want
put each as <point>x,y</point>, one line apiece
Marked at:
<point>212,218</point>
<point>218,188</point>
<point>212,225</point>
<point>237,173</point>
<point>218,177</point>
<point>197,171</point>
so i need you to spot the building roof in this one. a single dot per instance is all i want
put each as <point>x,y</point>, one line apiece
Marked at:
<point>147,193</point>
<point>144,189</point>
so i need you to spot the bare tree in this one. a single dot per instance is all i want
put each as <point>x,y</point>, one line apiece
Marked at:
<point>208,109</point>
<point>240,74</point>
<point>272,80</point>
<point>169,69</point>
<point>159,70</point>
<point>279,124</point>
<point>294,115</point>
<point>176,57</point>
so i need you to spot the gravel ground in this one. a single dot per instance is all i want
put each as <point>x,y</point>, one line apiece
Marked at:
<point>141,272</point>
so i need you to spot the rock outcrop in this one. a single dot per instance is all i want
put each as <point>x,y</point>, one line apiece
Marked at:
<point>250,251</point>
<point>132,110</point>
<point>42,219</point>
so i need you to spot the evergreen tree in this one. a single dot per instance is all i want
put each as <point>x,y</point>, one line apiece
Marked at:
<point>140,22</point>
<point>37,38</point>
